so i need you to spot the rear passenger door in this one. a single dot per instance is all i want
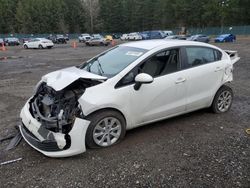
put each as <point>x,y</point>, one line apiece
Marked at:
<point>204,73</point>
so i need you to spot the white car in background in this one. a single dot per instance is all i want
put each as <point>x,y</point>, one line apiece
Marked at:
<point>124,37</point>
<point>84,37</point>
<point>38,43</point>
<point>134,36</point>
<point>130,85</point>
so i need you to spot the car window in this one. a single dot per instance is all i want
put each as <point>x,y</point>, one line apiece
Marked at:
<point>217,55</point>
<point>162,63</point>
<point>113,61</point>
<point>200,55</point>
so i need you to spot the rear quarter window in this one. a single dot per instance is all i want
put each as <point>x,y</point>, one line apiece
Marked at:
<point>201,55</point>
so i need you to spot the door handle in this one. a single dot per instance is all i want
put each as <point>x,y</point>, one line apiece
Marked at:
<point>217,69</point>
<point>180,80</point>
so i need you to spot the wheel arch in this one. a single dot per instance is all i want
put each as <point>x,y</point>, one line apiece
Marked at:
<point>110,109</point>
<point>225,84</point>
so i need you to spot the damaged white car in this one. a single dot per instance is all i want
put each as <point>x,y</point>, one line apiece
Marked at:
<point>130,85</point>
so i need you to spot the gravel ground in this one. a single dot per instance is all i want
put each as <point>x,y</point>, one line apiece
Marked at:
<point>199,149</point>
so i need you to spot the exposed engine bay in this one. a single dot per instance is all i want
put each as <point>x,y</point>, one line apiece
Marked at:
<point>57,110</point>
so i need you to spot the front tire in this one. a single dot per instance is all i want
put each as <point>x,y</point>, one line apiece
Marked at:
<point>106,129</point>
<point>25,46</point>
<point>223,100</point>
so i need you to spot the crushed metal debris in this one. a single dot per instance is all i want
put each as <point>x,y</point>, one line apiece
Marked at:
<point>14,142</point>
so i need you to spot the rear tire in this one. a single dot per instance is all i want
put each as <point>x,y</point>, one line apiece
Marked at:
<point>25,46</point>
<point>40,46</point>
<point>106,128</point>
<point>223,100</point>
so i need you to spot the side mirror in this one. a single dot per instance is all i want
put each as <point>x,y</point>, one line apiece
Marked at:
<point>142,78</point>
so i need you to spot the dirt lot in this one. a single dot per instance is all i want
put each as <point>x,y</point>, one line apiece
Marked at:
<point>199,149</point>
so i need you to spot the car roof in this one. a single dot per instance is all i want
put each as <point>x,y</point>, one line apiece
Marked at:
<point>150,44</point>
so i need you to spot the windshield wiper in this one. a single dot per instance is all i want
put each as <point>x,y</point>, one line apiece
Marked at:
<point>100,70</point>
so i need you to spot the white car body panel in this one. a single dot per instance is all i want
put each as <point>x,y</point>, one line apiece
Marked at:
<point>62,78</point>
<point>84,37</point>
<point>184,91</point>
<point>134,36</point>
<point>124,37</point>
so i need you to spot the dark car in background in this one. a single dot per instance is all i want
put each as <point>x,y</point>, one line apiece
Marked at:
<point>57,39</point>
<point>153,34</point>
<point>11,41</point>
<point>199,38</point>
<point>225,38</point>
<point>144,35</point>
<point>66,37</point>
<point>116,35</point>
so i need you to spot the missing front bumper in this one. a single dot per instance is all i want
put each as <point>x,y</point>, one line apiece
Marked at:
<point>48,146</point>
<point>32,134</point>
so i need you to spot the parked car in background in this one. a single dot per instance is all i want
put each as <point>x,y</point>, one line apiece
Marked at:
<point>133,84</point>
<point>168,33</point>
<point>176,37</point>
<point>199,38</point>
<point>84,37</point>
<point>134,36</point>
<point>96,36</point>
<point>38,43</point>
<point>57,39</point>
<point>11,41</point>
<point>124,37</point>
<point>225,38</point>
<point>1,42</point>
<point>116,35</point>
<point>25,40</point>
<point>144,35</point>
<point>66,36</point>
<point>155,34</point>
<point>108,38</point>
<point>97,41</point>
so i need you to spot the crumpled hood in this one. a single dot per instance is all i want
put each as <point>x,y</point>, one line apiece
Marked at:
<point>64,77</point>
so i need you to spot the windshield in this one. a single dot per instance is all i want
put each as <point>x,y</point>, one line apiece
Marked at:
<point>113,61</point>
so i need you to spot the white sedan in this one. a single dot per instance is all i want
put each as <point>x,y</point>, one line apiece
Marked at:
<point>130,85</point>
<point>38,43</point>
<point>133,36</point>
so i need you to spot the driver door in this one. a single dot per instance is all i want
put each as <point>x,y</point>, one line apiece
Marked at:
<point>164,97</point>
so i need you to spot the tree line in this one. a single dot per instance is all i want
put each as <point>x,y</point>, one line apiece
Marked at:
<point>79,16</point>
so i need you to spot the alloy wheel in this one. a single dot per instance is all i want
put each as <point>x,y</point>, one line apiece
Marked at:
<point>224,101</point>
<point>107,131</point>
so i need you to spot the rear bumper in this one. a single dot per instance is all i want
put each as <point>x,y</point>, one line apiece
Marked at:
<point>50,143</point>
